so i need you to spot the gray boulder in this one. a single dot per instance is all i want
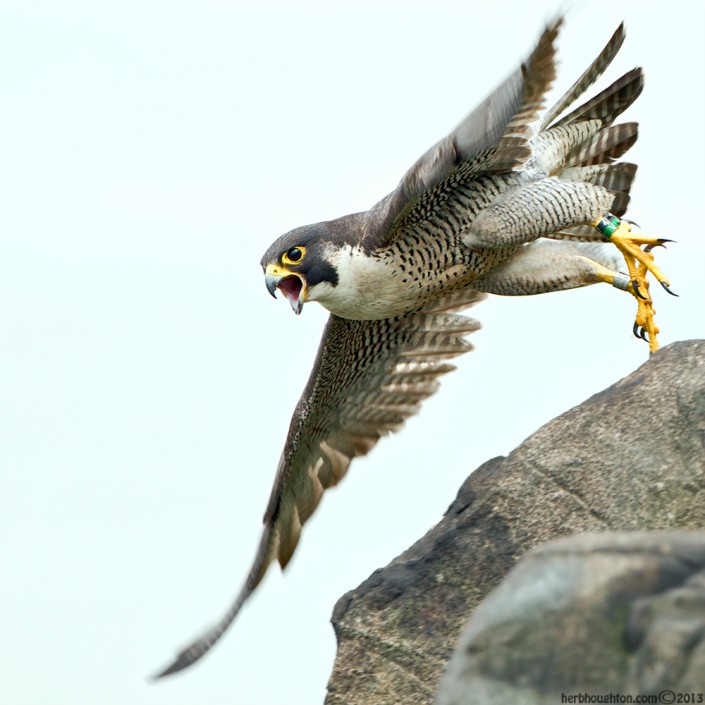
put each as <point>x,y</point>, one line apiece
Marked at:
<point>620,613</point>
<point>631,457</point>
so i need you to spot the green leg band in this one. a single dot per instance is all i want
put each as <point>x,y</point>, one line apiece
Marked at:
<point>608,225</point>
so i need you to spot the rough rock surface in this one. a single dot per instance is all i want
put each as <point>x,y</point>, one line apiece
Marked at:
<point>631,457</point>
<point>620,613</point>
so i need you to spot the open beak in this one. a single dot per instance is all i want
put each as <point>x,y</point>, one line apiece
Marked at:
<point>292,285</point>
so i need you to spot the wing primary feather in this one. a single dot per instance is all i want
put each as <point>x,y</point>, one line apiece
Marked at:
<point>513,149</point>
<point>198,648</point>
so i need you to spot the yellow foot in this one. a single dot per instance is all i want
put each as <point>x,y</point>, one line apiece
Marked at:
<point>644,325</point>
<point>639,262</point>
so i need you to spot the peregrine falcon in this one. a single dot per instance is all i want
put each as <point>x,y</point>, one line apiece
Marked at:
<point>516,200</point>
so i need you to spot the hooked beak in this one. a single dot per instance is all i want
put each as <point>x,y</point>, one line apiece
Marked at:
<point>292,285</point>
<point>272,281</point>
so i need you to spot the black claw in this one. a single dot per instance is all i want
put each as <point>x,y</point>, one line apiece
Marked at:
<point>665,286</point>
<point>660,243</point>
<point>643,335</point>
<point>635,330</point>
<point>631,222</point>
<point>635,284</point>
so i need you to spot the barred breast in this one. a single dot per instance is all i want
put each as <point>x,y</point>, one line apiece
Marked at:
<point>427,258</point>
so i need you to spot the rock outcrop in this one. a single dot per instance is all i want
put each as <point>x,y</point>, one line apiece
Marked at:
<point>630,458</point>
<point>611,614</point>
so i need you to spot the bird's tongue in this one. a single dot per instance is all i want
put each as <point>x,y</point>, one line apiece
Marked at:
<point>291,288</point>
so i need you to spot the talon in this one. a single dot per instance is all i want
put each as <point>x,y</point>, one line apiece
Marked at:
<point>643,335</point>
<point>665,286</point>
<point>635,330</point>
<point>635,284</point>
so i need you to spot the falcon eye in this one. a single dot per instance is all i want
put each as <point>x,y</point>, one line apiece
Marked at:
<point>294,255</point>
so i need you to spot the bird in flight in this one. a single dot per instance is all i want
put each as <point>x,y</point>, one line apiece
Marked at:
<point>517,200</point>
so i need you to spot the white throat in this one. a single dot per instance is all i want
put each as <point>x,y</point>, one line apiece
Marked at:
<point>368,288</point>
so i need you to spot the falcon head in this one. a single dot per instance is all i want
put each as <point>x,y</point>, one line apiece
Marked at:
<point>302,264</point>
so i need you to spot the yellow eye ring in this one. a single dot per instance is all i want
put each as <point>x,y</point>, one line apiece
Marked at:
<point>293,255</point>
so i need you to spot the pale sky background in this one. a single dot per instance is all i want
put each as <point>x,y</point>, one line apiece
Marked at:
<point>149,153</point>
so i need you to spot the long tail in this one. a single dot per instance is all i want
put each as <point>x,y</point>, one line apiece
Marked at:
<point>584,144</point>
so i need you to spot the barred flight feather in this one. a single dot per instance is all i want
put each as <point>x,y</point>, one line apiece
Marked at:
<point>590,75</point>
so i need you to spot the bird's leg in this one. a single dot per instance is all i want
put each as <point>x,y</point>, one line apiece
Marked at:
<point>552,265</point>
<point>639,262</point>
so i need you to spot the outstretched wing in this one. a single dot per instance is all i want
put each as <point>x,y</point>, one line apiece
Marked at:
<point>495,137</point>
<point>368,378</point>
